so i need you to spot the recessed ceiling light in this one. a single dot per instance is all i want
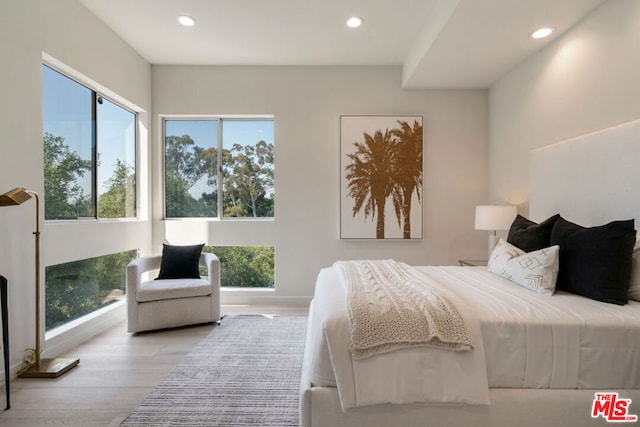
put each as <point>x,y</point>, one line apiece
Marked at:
<point>541,33</point>
<point>354,22</point>
<point>187,21</point>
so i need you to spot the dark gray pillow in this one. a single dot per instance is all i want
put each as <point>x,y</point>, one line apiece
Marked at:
<point>530,236</point>
<point>595,262</point>
<point>180,262</point>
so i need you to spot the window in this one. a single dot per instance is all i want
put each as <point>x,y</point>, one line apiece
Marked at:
<point>233,158</point>
<point>190,162</point>
<point>247,168</point>
<point>89,152</point>
<point>89,146</point>
<point>77,288</point>
<point>245,266</point>
<point>116,161</point>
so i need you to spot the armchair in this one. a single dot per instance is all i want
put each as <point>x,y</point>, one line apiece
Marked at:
<point>157,304</point>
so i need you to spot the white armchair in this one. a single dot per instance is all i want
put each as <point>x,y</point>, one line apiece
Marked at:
<point>157,304</point>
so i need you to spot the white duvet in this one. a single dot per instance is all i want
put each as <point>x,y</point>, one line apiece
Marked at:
<point>524,340</point>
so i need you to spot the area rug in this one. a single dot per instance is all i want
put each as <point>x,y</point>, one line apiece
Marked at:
<point>246,372</point>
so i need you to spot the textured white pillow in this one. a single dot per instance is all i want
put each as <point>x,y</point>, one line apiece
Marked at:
<point>634,288</point>
<point>537,270</point>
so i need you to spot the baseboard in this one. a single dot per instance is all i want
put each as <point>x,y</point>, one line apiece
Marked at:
<point>83,329</point>
<point>257,298</point>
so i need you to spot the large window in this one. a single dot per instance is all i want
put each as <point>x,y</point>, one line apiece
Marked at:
<point>77,288</point>
<point>219,168</point>
<point>89,152</point>
<point>89,145</point>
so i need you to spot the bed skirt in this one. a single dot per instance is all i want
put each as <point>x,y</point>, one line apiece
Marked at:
<point>320,407</point>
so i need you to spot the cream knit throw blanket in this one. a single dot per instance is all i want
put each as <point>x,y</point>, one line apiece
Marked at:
<point>392,307</point>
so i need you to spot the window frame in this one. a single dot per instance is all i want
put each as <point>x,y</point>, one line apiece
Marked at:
<point>219,119</point>
<point>98,93</point>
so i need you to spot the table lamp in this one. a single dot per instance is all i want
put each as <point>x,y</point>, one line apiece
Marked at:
<point>493,218</point>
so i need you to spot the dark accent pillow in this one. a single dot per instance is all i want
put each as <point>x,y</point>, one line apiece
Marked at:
<point>180,262</point>
<point>595,262</point>
<point>529,236</point>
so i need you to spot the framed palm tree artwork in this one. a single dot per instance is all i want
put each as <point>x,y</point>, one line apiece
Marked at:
<point>381,177</point>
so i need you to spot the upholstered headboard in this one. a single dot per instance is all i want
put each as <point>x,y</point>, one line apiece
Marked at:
<point>591,179</point>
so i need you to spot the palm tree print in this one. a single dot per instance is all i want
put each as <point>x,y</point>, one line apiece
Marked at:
<point>387,165</point>
<point>408,165</point>
<point>368,176</point>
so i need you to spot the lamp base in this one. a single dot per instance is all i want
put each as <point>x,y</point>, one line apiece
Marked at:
<point>493,241</point>
<point>50,368</point>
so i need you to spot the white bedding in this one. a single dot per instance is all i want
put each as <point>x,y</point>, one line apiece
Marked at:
<point>530,340</point>
<point>390,377</point>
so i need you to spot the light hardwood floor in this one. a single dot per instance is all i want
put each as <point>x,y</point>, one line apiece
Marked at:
<point>116,371</point>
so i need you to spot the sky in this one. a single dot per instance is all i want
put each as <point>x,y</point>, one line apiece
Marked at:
<point>204,132</point>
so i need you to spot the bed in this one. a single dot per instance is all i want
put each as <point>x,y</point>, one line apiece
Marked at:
<point>538,359</point>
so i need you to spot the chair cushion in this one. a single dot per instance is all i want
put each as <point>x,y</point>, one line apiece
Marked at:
<point>155,290</point>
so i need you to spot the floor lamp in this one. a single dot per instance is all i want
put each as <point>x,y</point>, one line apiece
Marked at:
<point>41,368</point>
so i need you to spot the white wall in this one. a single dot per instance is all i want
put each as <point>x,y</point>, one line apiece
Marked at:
<point>307,103</point>
<point>66,31</point>
<point>586,80</point>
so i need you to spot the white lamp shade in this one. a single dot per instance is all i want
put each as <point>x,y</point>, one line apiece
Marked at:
<point>491,217</point>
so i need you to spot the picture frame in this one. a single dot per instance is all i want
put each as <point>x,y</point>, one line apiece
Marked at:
<point>381,177</point>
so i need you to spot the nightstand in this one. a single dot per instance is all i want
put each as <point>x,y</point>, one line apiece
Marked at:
<point>473,262</point>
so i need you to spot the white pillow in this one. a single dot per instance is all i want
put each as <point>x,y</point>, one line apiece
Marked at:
<point>634,288</point>
<point>537,270</point>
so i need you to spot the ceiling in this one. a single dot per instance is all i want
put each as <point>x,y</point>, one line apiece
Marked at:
<point>438,43</point>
